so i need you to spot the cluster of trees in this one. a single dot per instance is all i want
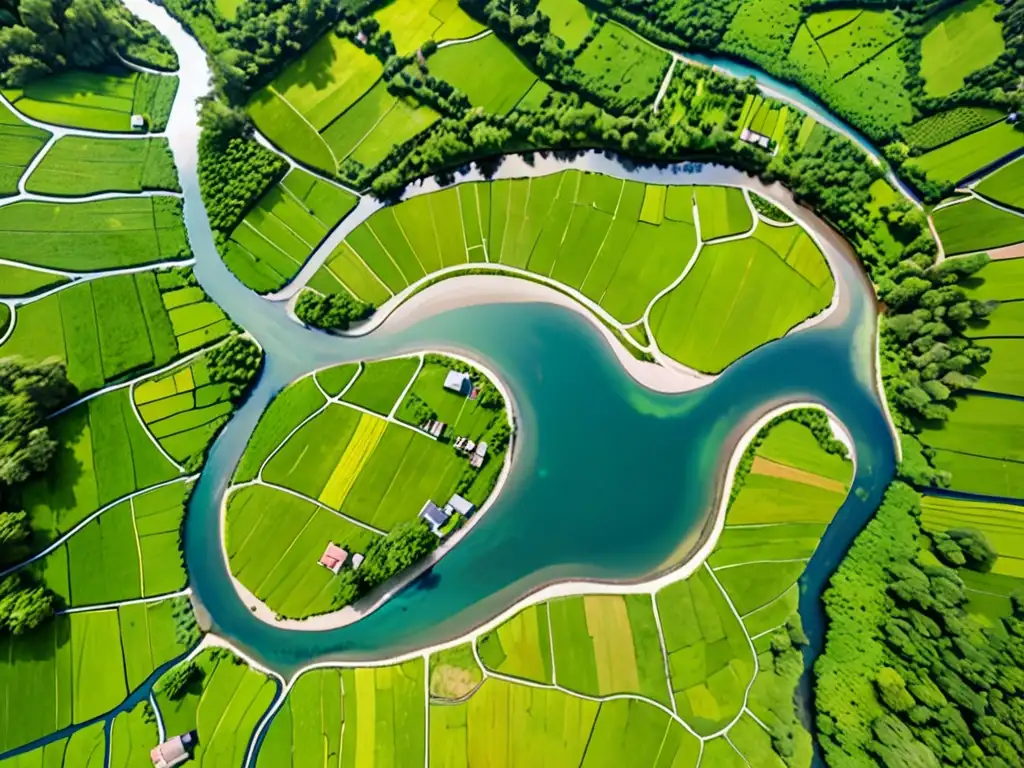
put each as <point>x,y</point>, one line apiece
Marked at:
<point>701,23</point>
<point>29,393</point>
<point>387,556</point>
<point>40,37</point>
<point>331,313</point>
<point>233,169</point>
<point>908,677</point>
<point>236,362</point>
<point>181,679</point>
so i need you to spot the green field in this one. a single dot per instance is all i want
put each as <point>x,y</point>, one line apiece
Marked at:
<point>185,410</point>
<point>308,729</point>
<point>132,736</point>
<point>723,211</point>
<point>958,41</point>
<point>270,245</point>
<point>97,101</point>
<point>622,68</point>
<point>982,426</point>
<point>976,226</point>
<point>19,143</point>
<point>1000,281</point>
<point>411,23</point>
<point>381,383</point>
<point>454,673</point>
<point>131,550</point>
<point>224,706</point>
<point>274,541</point>
<point>428,399</point>
<point>521,646</point>
<point>487,71</point>
<point>196,321</point>
<point>724,307</point>
<point>959,159</point>
<point>570,20</point>
<point>111,327</point>
<point>941,128</point>
<point>21,281</point>
<point>90,236</point>
<point>1005,185</point>
<point>77,165</point>
<point>78,667</point>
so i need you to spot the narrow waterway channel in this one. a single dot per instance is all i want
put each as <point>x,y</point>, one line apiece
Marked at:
<point>609,478</point>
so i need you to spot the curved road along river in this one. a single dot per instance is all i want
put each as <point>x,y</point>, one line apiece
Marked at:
<point>611,481</point>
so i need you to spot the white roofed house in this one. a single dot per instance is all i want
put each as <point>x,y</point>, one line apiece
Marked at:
<point>458,382</point>
<point>458,504</point>
<point>138,123</point>
<point>434,516</point>
<point>477,459</point>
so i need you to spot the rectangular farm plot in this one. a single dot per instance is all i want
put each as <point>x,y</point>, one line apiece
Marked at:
<point>794,445</point>
<point>1005,185</point>
<point>778,277</point>
<point>605,644</point>
<point>969,154</point>
<point>634,732</point>
<point>622,67</point>
<point>723,211</point>
<point>983,426</point>
<point>345,272</point>
<point>381,383</point>
<point>958,41</point>
<point>274,543</point>
<point>1002,524</point>
<point>521,647</point>
<point>385,715</point>
<point>709,656</point>
<point>514,722</point>
<point>90,236</point>
<point>308,728</point>
<point>77,165</point>
<point>412,23</point>
<point>977,226</point>
<point>487,71</point>
<point>19,143</point>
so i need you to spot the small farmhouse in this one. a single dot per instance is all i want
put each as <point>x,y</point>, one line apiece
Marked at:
<point>458,504</point>
<point>138,123</point>
<point>458,382</point>
<point>173,751</point>
<point>333,558</point>
<point>433,516</point>
<point>477,459</point>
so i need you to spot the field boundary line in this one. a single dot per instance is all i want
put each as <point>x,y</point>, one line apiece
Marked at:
<point>736,750</point>
<point>138,546</point>
<point>366,266</point>
<point>303,118</point>
<point>76,278</point>
<point>996,204</point>
<point>401,397</point>
<point>11,325</point>
<point>760,562</point>
<point>149,433</point>
<point>279,446</point>
<point>664,652</point>
<point>408,242</point>
<point>293,163</point>
<point>462,40</point>
<point>305,207</point>
<point>160,729</point>
<point>551,644</point>
<point>97,197</point>
<point>131,601</point>
<point>63,539</point>
<point>34,163</point>
<point>271,243</point>
<point>66,130</point>
<point>304,497</point>
<point>604,240</point>
<point>665,84</point>
<point>384,248</point>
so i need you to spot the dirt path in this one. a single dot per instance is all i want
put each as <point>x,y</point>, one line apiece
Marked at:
<point>763,466</point>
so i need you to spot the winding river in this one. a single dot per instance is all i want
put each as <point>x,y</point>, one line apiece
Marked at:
<point>611,482</point>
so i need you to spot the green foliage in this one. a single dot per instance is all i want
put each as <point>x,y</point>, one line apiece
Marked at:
<point>768,209</point>
<point>333,313</point>
<point>176,683</point>
<point>186,630</point>
<point>385,557</point>
<point>236,362</point>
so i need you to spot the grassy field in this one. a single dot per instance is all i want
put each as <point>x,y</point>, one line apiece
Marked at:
<point>454,673</point>
<point>412,23</point>
<point>982,426</point>
<point>78,667</point>
<point>958,41</point>
<point>381,383</point>
<point>19,143</point>
<point>132,550</point>
<point>521,647</point>
<point>631,732</point>
<point>608,644</point>
<point>464,416</point>
<point>274,541</point>
<point>726,292</point>
<point>131,739</point>
<point>184,410</point>
<point>97,101</point>
<point>90,236</point>
<point>308,729</point>
<point>570,20</point>
<point>941,128</point>
<point>78,165</point>
<point>195,320</point>
<point>487,71</point>
<point>723,211</point>
<point>224,706</point>
<point>269,246</point>
<point>21,281</point>
<point>959,159</point>
<point>621,67</point>
<point>1006,185</point>
<point>113,326</point>
<point>103,454</point>
<point>999,280</point>
<point>976,226</point>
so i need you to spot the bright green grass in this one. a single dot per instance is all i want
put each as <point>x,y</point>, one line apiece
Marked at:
<point>709,658</point>
<point>19,143</point>
<point>131,739</point>
<point>411,23</point>
<point>225,707</point>
<point>79,99</point>
<point>724,307</point>
<point>1006,185</point>
<point>1004,373</point>
<point>381,383</point>
<point>848,46</point>
<point>345,272</point>
<point>334,380</point>
<point>103,234</point>
<point>943,127</point>
<point>634,732</point>
<point>723,211</point>
<point>774,499</point>
<point>103,454</point>
<point>959,159</point>
<point>1002,524</point>
<point>1006,320</point>
<point>385,717</point>
<point>1000,280</point>
<point>36,681</point>
<point>982,426</point>
<point>521,647</point>
<point>465,417</point>
<point>958,41</point>
<point>18,281</point>
<point>296,403</point>
<point>791,443</point>
<point>87,747</point>
<point>98,678</point>
<point>78,165</point>
<point>570,20</point>
<point>528,717</point>
<point>621,66</point>
<point>982,474</point>
<point>289,130</point>
<point>305,462</point>
<point>308,728</point>
<point>274,541</point>
<point>487,71</point>
<point>977,226</point>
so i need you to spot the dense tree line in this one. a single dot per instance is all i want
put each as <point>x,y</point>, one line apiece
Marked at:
<point>908,677</point>
<point>236,362</point>
<point>331,313</point>
<point>702,23</point>
<point>29,393</point>
<point>40,37</point>
<point>403,546</point>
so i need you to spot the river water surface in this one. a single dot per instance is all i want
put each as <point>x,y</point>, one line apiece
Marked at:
<point>609,478</point>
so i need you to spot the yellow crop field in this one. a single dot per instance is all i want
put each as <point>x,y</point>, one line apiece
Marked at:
<point>614,652</point>
<point>358,451</point>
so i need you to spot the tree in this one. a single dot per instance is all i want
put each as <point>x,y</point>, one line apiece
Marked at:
<point>23,606</point>
<point>334,312</point>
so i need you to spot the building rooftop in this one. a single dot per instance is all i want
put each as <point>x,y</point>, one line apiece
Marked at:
<point>434,516</point>
<point>457,381</point>
<point>334,557</point>
<point>138,122</point>
<point>461,505</point>
<point>173,751</point>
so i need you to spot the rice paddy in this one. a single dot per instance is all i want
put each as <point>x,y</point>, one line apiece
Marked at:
<point>959,159</point>
<point>1006,185</point>
<point>943,127</point>
<point>77,165</point>
<point>975,225</point>
<point>273,241</point>
<point>621,67</point>
<point>496,86</point>
<point>19,143</point>
<point>958,41</point>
